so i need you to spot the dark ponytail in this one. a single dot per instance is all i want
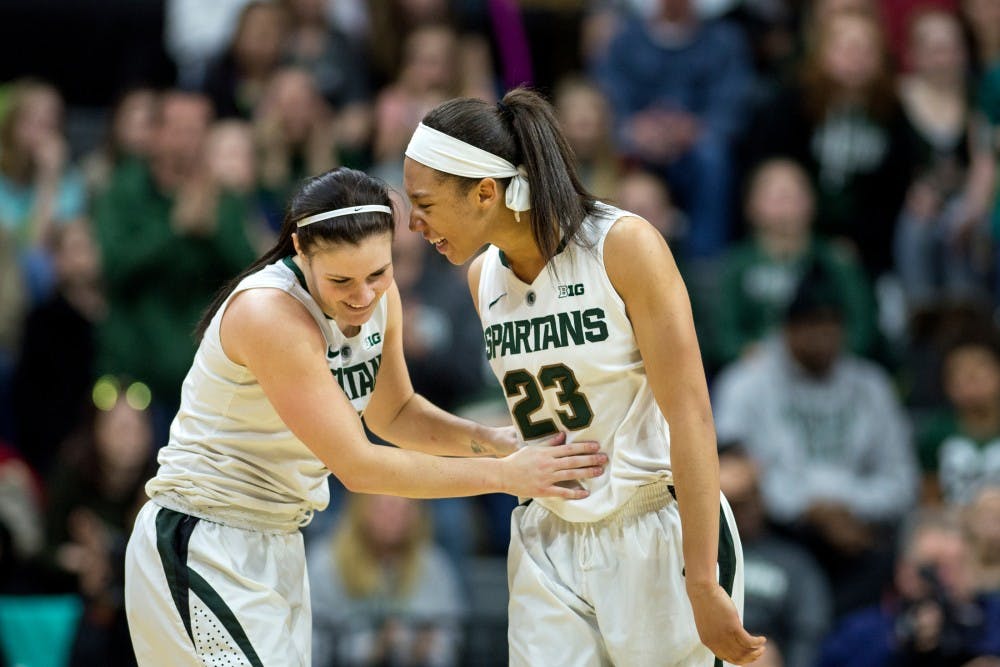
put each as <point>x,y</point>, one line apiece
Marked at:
<point>339,188</point>
<point>523,130</point>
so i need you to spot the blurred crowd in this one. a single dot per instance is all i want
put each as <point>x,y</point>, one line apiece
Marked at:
<point>825,172</point>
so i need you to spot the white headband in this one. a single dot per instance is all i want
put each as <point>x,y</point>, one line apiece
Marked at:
<point>350,210</point>
<point>444,152</point>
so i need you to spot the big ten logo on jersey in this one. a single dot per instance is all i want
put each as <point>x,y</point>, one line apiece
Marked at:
<point>373,340</point>
<point>570,290</point>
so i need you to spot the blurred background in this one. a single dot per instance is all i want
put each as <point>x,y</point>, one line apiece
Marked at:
<point>825,172</point>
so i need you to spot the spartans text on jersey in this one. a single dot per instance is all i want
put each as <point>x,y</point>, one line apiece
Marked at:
<point>358,380</point>
<point>545,333</point>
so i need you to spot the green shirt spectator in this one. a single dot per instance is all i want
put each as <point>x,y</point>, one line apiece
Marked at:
<point>160,281</point>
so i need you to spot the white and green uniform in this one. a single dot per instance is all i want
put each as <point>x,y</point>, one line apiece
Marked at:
<point>233,488</point>
<point>595,581</point>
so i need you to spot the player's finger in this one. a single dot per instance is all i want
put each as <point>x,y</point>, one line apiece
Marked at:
<point>575,448</point>
<point>557,439</point>
<point>568,493</point>
<point>582,461</point>
<point>578,473</point>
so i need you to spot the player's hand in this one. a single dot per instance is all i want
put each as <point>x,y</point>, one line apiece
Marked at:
<point>719,625</point>
<point>536,471</point>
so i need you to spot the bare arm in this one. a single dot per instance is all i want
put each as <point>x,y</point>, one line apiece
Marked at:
<point>289,363</point>
<point>637,257</point>
<point>407,419</point>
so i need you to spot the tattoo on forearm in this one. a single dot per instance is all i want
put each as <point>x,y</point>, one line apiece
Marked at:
<point>478,448</point>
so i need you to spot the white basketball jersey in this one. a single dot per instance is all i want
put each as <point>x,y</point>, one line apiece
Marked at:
<point>230,458</point>
<point>564,351</point>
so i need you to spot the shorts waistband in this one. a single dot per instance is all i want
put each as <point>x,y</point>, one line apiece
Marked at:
<point>231,517</point>
<point>647,498</point>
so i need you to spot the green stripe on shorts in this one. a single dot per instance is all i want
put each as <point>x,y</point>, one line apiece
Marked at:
<point>173,532</point>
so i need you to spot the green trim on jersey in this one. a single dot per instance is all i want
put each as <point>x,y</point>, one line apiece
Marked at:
<point>559,249</point>
<point>297,271</point>
<point>287,261</point>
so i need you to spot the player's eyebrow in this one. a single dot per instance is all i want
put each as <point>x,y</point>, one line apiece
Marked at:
<point>378,270</point>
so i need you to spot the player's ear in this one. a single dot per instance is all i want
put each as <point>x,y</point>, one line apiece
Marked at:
<point>486,192</point>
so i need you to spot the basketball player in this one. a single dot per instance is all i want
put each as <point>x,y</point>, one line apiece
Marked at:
<point>291,353</point>
<point>588,328</point>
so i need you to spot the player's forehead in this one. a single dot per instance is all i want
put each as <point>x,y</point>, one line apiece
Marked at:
<point>421,181</point>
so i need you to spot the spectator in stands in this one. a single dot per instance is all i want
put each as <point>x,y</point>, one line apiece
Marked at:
<point>337,65</point>
<point>645,194</point>
<point>38,187</point>
<point>170,237</point>
<point>53,378</point>
<point>787,594</point>
<point>382,593</point>
<point>332,58</point>
<point>941,239</point>
<point>128,135</point>
<point>841,120</point>
<point>392,22</point>
<point>296,138</point>
<point>831,440</point>
<point>432,72</point>
<point>236,79</point>
<point>231,160</point>
<point>585,116</point>
<point>935,619</point>
<point>760,275</point>
<point>960,445</point>
<point>94,493</point>
<point>679,87</point>
<point>196,33</point>
<point>982,526</point>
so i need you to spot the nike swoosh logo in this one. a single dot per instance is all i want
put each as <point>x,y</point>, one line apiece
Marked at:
<point>332,354</point>
<point>494,301</point>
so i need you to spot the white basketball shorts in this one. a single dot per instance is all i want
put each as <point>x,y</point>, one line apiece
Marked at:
<point>201,593</point>
<point>611,592</point>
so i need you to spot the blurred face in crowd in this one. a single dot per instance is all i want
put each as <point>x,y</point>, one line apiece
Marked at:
<point>430,58</point>
<point>972,378</point>
<point>348,280</point>
<point>179,137</point>
<point>942,551</point>
<point>937,48</point>
<point>293,100</point>
<point>583,114</point>
<point>124,436</point>
<point>230,156</point>
<point>983,524</point>
<point>389,522</point>
<point>780,200</point>
<point>815,342</point>
<point>77,257</point>
<point>39,117</point>
<point>133,124</point>
<point>260,38</point>
<point>851,50</point>
<point>647,196</point>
